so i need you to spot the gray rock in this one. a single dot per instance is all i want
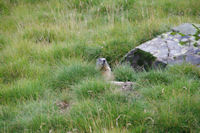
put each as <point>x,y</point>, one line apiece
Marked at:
<point>186,28</point>
<point>168,48</point>
<point>124,86</point>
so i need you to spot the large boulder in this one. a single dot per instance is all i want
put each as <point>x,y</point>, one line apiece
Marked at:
<point>181,44</point>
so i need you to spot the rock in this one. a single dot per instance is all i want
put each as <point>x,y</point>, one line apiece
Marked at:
<point>186,29</point>
<point>181,44</point>
<point>124,86</point>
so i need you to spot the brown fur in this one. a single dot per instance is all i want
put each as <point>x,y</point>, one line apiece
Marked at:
<point>105,70</point>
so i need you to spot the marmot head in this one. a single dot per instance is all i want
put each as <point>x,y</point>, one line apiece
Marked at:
<point>102,64</point>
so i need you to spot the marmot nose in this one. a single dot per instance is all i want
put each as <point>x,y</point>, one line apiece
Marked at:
<point>104,61</point>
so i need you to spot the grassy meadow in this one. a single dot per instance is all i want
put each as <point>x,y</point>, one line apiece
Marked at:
<point>48,79</point>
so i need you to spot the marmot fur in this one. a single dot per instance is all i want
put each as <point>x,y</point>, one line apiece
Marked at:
<point>105,69</point>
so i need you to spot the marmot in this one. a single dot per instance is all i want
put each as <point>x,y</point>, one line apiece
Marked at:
<point>105,69</point>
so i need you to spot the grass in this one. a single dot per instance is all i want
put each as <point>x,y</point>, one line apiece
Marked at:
<point>48,50</point>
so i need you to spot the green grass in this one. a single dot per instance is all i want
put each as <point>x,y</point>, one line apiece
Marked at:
<point>125,73</point>
<point>72,74</point>
<point>48,50</point>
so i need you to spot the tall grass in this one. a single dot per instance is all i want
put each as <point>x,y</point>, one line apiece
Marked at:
<point>48,79</point>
